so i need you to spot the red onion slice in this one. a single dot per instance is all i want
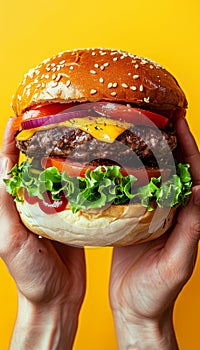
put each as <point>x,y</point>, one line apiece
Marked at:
<point>135,116</point>
<point>53,119</point>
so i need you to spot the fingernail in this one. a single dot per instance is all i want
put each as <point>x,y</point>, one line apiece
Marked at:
<point>3,166</point>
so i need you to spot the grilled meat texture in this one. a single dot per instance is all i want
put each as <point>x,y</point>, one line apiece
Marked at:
<point>136,144</point>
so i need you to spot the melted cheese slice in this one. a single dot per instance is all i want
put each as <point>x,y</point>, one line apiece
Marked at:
<point>103,129</point>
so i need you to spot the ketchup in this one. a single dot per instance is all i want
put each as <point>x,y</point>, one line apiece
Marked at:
<point>47,205</point>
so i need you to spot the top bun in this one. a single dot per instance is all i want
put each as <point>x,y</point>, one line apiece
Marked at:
<point>98,74</point>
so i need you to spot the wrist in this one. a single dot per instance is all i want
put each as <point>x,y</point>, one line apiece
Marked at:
<point>46,327</point>
<point>135,333</point>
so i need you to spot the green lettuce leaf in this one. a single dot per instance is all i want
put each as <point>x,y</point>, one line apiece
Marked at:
<point>102,186</point>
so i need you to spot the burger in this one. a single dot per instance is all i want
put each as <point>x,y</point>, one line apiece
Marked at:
<point>97,165</point>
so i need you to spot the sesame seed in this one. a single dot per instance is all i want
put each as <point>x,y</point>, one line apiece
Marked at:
<point>93,53</point>
<point>71,67</point>
<point>28,92</point>
<point>64,75</point>
<point>53,76</point>
<point>54,69</point>
<point>106,64</point>
<point>62,62</point>
<point>93,91</point>
<point>46,76</point>
<point>101,80</point>
<point>115,59</point>
<point>136,66</point>
<point>136,76</point>
<point>53,64</point>
<point>110,85</point>
<point>122,57</point>
<point>102,53</point>
<point>54,84</point>
<point>37,72</point>
<point>113,93</point>
<point>141,88</point>
<point>151,66</point>
<point>48,69</point>
<point>28,87</point>
<point>59,76</point>
<point>93,71</point>
<point>133,88</point>
<point>115,85</point>
<point>113,52</point>
<point>129,74</point>
<point>102,67</point>
<point>68,82</point>
<point>30,73</point>
<point>124,85</point>
<point>143,61</point>
<point>147,99</point>
<point>96,65</point>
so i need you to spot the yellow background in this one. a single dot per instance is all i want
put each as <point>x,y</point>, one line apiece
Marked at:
<point>167,32</point>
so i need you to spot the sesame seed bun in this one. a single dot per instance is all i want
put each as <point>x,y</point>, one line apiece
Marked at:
<point>114,226</point>
<point>98,74</point>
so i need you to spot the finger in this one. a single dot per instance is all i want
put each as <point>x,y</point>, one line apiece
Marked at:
<point>182,245</point>
<point>8,157</point>
<point>189,149</point>
<point>9,146</point>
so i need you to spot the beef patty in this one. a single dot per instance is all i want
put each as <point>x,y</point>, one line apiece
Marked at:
<point>148,144</point>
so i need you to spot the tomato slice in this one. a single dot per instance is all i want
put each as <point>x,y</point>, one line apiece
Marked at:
<point>41,111</point>
<point>62,164</point>
<point>116,111</point>
<point>160,121</point>
<point>135,116</point>
<point>143,174</point>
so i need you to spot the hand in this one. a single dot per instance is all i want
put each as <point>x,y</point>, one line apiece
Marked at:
<point>50,276</point>
<point>147,278</point>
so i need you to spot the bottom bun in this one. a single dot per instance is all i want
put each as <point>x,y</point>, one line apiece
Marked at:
<point>112,226</point>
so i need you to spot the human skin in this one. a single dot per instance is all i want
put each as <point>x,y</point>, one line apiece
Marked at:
<point>147,278</point>
<point>50,277</point>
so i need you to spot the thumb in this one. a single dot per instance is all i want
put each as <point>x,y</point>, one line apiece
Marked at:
<point>4,168</point>
<point>8,157</point>
<point>12,232</point>
<point>6,201</point>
